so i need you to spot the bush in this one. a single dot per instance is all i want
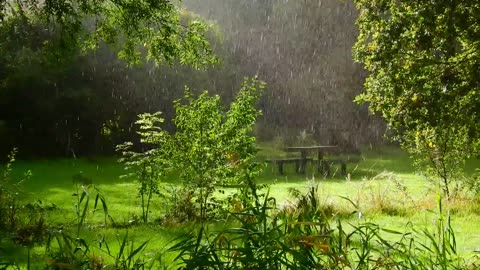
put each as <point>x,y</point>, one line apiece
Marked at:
<point>210,149</point>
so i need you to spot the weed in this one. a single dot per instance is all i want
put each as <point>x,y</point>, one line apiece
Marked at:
<point>81,179</point>
<point>260,241</point>
<point>304,239</point>
<point>385,194</point>
<point>180,205</point>
<point>67,252</point>
<point>128,256</point>
<point>82,196</point>
<point>9,195</point>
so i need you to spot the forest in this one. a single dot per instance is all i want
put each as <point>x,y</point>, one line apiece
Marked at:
<point>239,134</point>
<point>95,91</point>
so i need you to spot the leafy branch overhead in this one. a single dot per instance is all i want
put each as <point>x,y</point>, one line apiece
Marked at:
<point>151,29</point>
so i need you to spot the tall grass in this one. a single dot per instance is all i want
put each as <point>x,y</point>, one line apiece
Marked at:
<point>261,237</point>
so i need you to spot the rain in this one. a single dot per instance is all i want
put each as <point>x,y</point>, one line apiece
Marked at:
<point>302,50</point>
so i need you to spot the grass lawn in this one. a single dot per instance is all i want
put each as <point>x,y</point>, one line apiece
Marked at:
<point>383,185</point>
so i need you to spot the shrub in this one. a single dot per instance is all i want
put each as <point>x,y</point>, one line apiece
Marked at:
<point>385,193</point>
<point>214,148</point>
<point>9,195</point>
<point>149,166</point>
<point>211,148</point>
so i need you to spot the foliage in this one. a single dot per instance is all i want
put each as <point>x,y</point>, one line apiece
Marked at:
<point>304,239</point>
<point>309,235</point>
<point>153,26</point>
<point>66,252</point>
<point>424,78</point>
<point>255,244</point>
<point>62,249</point>
<point>180,205</point>
<point>129,255</point>
<point>385,193</point>
<point>9,195</point>
<point>210,147</point>
<point>85,104</point>
<point>82,204</point>
<point>151,165</point>
<point>63,111</point>
<point>12,215</point>
<point>471,184</point>
<point>62,82</point>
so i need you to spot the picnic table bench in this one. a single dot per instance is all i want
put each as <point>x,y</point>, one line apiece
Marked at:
<point>323,165</point>
<point>281,161</point>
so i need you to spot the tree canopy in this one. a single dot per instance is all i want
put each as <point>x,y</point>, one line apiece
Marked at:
<point>423,60</point>
<point>152,29</point>
<point>60,81</point>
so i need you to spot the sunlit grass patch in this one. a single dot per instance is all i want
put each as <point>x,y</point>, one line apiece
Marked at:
<point>382,188</point>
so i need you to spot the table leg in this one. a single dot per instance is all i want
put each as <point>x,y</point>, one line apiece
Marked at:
<point>303,163</point>
<point>344,168</point>
<point>280,167</point>
<point>320,164</point>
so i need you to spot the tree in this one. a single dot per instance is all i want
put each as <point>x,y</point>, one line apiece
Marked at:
<point>423,60</point>
<point>60,82</point>
<point>150,28</point>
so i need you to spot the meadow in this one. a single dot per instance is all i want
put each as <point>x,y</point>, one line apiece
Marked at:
<point>383,188</point>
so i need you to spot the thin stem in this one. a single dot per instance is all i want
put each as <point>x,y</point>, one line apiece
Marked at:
<point>142,193</point>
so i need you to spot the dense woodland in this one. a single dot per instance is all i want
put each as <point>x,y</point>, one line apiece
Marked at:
<point>73,103</point>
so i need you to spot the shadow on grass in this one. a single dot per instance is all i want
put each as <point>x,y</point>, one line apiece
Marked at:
<point>59,173</point>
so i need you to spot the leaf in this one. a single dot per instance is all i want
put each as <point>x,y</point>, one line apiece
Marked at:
<point>133,253</point>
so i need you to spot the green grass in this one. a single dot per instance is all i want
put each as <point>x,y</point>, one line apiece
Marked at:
<point>396,199</point>
<point>373,182</point>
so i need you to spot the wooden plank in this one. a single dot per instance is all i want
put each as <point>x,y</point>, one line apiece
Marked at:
<point>286,159</point>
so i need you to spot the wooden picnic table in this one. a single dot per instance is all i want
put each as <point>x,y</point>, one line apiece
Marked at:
<point>304,150</point>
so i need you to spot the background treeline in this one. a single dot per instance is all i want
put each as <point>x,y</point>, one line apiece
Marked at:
<point>60,102</point>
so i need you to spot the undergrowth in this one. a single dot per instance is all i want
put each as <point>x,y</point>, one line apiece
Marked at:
<point>257,232</point>
<point>306,238</point>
